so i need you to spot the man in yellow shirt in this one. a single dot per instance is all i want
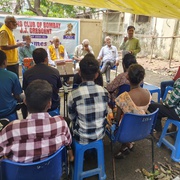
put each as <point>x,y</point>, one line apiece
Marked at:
<point>8,44</point>
<point>56,51</point>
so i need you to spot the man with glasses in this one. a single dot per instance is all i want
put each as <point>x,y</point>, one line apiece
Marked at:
<point>8,43</point>
<point>81,50</point>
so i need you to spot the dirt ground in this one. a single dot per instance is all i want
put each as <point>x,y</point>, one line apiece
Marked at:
<point>163,67</point>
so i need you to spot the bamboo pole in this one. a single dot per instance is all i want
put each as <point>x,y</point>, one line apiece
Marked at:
<point>171,51</point>
<point>153,38</point>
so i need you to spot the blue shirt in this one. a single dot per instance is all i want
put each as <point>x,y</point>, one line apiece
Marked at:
<point>88,105</point>
<point>9,86</point>
<point>24,52</point>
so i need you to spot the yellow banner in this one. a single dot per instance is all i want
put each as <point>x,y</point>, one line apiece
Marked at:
<point>154,8</point>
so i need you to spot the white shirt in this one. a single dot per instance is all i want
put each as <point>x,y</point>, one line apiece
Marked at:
<point>108,53</point>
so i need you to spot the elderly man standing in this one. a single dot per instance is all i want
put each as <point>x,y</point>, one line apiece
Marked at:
<point>9,45</point>
<point>108,56</point>
<point>130,44</point>
<point>82,49</point>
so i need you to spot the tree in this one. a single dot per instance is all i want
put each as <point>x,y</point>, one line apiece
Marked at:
<point>46,8</point>
<point>43,8</point>
<point>6,6</point>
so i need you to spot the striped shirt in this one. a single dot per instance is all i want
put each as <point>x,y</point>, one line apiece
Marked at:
<point>34,138</point>
<point>174,99</point>
<point>87,107</point>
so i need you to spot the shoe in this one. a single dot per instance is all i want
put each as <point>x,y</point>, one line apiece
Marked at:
<point>66,84</point>
<point>122,153</point>
<point>130,146</point>
<point>3,123</point>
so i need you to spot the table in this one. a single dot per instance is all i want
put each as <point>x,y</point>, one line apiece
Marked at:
<point>153,89</point>
<point>66,69</point>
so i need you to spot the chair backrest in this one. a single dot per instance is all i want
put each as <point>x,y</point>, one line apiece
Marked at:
<point>168,88</point>
<point>75,86</point>
<point>123,88</point>
<point>55,112</point>
<point>13,116</point>
<point>49,168</point>
<point>134,127</point>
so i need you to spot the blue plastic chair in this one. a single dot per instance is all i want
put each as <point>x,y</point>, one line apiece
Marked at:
<point>175,147</point>
<point>55,112</point>
<point>75,86</point>
<point>123,88</point>
<point>12,116</point>
<point>112,68</point>
<point>79,150</point>
<point>153,89</point>
<point>168,88</point>
<point>46,169</point>
<point>133,127</point>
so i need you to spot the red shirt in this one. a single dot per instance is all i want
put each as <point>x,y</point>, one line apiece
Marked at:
<point>34,138</point>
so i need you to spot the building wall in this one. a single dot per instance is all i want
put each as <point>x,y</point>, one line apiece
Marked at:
<point>155,35</point>
<point>92,30</point>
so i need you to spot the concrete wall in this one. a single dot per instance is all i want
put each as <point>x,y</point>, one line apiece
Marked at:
<point>92,30</point>
<point>161,46</point>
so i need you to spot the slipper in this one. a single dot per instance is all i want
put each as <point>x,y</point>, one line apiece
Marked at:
<point>122,153</point>
<point>156,135</point>
<point>130,146</point>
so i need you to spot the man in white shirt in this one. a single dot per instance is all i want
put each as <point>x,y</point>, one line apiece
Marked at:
<point>108,57</point>
<point>81,50</point>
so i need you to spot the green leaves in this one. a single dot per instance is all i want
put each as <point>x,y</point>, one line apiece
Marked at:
<point>42,8</point>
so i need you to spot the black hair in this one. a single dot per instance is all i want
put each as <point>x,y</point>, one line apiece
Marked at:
<point>136,74</point>
<point>128,59</point>
<point>129,27</point>
<point>38,94</point>
<point>2,57</point>
<point>39,55</point>
<point>89,66</point>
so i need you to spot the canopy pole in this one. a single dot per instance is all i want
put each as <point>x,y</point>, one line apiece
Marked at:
<point>153,39</point>
<point>171,51</point>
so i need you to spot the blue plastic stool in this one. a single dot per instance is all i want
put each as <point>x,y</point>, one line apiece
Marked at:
<point>79,150</point>
<point>176,147</point>
<point>54,112</point>
<point>153,89</point>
